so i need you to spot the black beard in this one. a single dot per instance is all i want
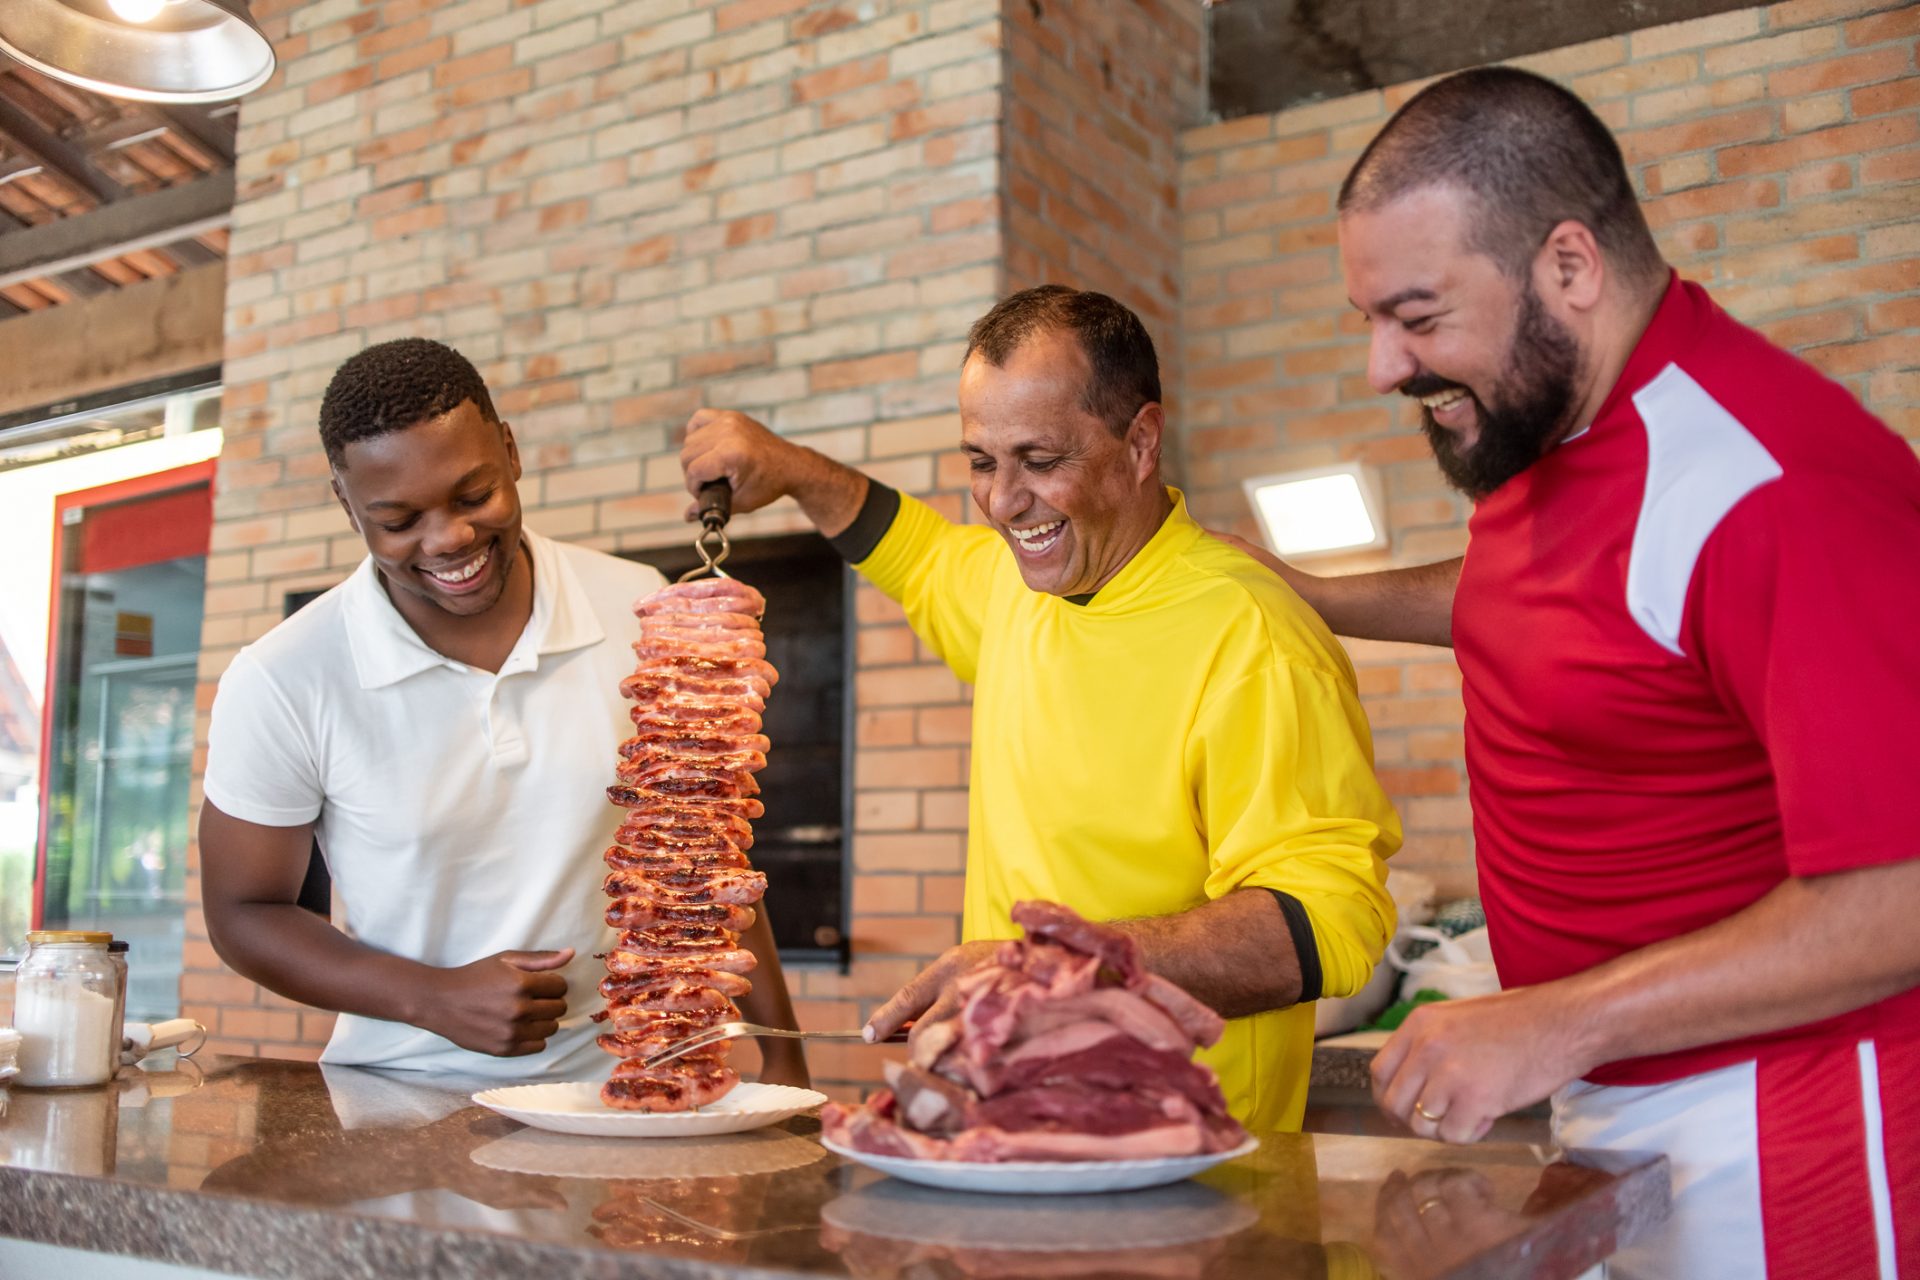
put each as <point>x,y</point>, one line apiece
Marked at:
<point>1536,394</point>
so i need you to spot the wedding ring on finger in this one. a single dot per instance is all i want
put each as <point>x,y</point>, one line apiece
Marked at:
<point>1427,1115</point>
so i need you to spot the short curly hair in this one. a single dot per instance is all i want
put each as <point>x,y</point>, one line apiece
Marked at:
<point>394,385</point>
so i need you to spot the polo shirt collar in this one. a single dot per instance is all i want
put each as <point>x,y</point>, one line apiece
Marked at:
<point>387,650</point>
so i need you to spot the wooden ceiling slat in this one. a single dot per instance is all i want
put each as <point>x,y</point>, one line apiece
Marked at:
<point>189,153</point>
<point>58,154</point>
<point>153,262</point>
<point>66,153</point>
<point>24,297</point>
<point>212,135</point>
<point>130,168</point>
<point>64,100</point>
<point>52,290</point>
<point>118,271</point>
<point>162,167</point>
<point>59,196</point>
<point>17,199</point>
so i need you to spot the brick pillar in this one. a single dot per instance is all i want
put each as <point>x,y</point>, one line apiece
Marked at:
<point>1092,148</point>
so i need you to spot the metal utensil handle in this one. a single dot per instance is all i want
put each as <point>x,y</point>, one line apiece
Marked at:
<point>716,503</point>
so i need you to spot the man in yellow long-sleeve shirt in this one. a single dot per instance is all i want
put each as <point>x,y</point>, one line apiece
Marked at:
<point>1164,735</point>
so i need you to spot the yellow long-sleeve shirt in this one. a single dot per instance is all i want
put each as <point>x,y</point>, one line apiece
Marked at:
<point>1192,730</point>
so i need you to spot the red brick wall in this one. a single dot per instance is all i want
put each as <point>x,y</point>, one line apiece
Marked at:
<point>1092,140</point>
<point>624,209</point>
<point>1777,150</point>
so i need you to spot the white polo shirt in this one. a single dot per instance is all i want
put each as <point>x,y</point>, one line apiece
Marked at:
<point>461,812</point>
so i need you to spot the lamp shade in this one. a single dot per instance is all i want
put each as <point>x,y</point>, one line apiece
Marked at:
<point>187,51</point>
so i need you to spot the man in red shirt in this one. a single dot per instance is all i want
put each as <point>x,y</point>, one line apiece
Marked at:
<point>1688,622</point>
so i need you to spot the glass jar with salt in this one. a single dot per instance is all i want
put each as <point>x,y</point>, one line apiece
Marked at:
<point>64,997</point>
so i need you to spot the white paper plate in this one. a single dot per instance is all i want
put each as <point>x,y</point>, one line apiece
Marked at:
<point>1043,1177</point>
<point>576,1108</point>
<point>731,1155</point>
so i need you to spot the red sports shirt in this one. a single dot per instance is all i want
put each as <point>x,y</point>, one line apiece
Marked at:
<point>1691,646</point>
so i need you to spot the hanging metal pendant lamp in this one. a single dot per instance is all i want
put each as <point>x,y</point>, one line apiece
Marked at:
<point>152,50</point>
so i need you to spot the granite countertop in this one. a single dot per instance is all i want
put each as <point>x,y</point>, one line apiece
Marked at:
<point>1346,1061</point>
<point>287,1169</point>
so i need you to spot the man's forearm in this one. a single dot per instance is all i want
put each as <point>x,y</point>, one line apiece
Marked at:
<point>1809,950</point>
<point>294,953</point>
<point>828,492</point>
<point>1234,954</point>
<point>1413,605</point>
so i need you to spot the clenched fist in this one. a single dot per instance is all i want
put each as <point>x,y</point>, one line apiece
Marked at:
<point>506,1004</point>
<point>724,445</point>
<point>762,467</point>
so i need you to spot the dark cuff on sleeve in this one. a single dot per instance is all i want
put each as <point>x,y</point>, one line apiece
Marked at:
<point>859,540</point>
<point>1301,927</point>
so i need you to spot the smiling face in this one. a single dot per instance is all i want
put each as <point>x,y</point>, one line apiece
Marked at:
<point>1073,499</point>
<point>1495,373</point>
<point>437,506</point>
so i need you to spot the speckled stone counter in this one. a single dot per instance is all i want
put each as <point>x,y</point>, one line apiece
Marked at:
<point>1342,1066</point>
<point>288,1170</point>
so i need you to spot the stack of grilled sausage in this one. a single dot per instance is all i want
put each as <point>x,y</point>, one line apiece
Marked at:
<point>681,885</point>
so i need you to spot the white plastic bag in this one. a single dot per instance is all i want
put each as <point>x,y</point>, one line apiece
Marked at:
<point>1456,967</point>
<point>1335,1015</point>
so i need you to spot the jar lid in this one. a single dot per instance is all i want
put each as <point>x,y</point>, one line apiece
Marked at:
<point>99,938</point>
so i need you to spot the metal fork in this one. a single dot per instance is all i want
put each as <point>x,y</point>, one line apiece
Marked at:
<point>734,1030</point>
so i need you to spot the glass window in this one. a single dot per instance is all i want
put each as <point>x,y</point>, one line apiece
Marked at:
<point>44,464</point>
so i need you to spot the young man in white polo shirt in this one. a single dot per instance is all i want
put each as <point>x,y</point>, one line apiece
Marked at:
<point>443,722</point>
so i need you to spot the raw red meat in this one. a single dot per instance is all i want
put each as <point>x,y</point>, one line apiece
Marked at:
<point>1064,1048</point>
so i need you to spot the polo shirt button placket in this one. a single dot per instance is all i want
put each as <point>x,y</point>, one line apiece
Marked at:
<point>504,733</point>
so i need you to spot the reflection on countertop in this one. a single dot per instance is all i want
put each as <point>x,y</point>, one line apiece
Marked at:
<point>287,1169</point>
<point>882,1227</point>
